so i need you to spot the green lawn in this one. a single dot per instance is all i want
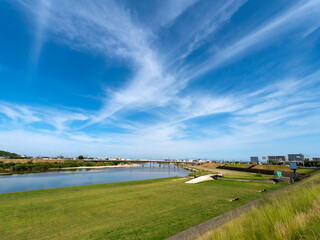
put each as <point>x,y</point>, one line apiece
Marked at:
<point>231,173</point>
<point>273,168</point>
<point>150,209</point>
<point>306,170</point>
<point>248,176</point>
<point>294,214</point>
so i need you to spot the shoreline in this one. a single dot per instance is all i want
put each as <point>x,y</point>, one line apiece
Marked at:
<point>70,168</point>
<point>110,166</point>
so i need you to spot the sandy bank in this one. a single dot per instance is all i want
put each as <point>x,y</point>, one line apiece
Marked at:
<point>113,166</point>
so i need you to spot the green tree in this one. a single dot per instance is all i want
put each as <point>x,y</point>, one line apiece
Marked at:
<point>80,157</point>
<point>271,162</point>
<point>9,154</point>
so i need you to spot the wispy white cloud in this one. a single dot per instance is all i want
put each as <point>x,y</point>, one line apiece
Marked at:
<point>211,24</point>
<point>26,115</point>
<point>107,28</point>
<point>301,13</point>
<point>43,18</point>
<point>171,10</point>
<point>110,30</point>
<point>17,112</point>
<point>61,120</point>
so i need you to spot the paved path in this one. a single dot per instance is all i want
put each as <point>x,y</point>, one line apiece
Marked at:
<point>203,228</point>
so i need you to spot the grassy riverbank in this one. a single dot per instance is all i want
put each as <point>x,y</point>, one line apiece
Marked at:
<point>230,174</point>
<point>261,167</point>
<point>150,209</point>
<point>30,166</point>
<point>295,214</point>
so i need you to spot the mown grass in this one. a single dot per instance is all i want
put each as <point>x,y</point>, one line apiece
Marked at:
<point>197,172</point>
<point>306,170</point>
<point>230,174</point>
<point>295,214</point>
<point>272,168</point>
<point>264,167</point>
<point>283,168</point>
<point>149,209</point>
<point>201,172</point>
<point>248,176</point>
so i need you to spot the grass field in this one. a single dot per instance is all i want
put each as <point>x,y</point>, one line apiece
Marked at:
<point>149,209</point>
<point>262,167</point>
<point>248,176</point>
<point>230,174</point>
<point>294,214</point>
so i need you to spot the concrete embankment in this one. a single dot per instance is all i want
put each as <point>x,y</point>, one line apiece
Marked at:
<point>204,178</point>
<point>201,179</point>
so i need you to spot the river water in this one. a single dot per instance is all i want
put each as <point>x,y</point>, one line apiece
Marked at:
<point>68,178</point>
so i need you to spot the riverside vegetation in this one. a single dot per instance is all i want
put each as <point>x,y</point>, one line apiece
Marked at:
<point>283,168</point>
<point>30,166</point>
<point>295,214</point>
<point>271,167</point>
<point>9,155</point>
<point>148,209</point>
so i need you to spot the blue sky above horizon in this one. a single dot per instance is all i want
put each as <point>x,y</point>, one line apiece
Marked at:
<point>157,79</point>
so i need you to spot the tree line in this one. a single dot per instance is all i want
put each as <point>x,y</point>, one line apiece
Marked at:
<point>9,155</point>
<point>30,166</point>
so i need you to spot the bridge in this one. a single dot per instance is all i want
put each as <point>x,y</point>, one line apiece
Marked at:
<point>134,161</point>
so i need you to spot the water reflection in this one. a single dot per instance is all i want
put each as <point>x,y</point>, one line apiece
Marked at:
<point>68,178</point>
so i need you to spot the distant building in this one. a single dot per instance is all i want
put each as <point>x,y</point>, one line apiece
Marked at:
<point>296,157</point>
<point>254,160</point>
<point>316,159</point>
<point>277,158</point>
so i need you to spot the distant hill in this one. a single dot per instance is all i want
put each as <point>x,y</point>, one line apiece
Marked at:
<point>9,154</point>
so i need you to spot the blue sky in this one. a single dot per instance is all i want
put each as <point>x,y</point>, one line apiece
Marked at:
<point>183,78</point>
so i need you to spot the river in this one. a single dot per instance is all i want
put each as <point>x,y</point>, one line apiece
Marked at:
<point>77,177</point>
